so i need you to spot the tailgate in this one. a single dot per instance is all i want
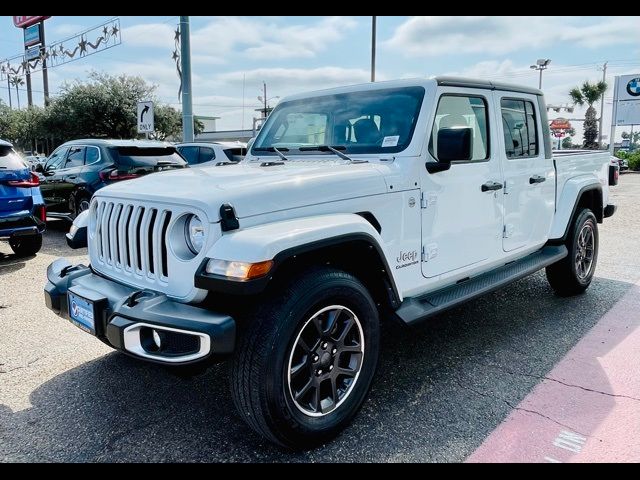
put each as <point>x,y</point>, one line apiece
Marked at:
<point>13,199</point>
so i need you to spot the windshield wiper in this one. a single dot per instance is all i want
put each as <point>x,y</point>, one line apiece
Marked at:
<point>273,149</point>
<point>328,148</point>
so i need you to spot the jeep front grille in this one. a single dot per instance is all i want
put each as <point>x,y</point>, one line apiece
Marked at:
<point>133,238</point>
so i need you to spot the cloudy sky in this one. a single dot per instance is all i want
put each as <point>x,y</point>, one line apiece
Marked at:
<point>294,54</point>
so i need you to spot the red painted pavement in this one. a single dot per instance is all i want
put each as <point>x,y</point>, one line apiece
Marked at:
<point>572,420</point>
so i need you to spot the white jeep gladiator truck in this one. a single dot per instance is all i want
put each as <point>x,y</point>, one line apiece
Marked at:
<point>391,200</point>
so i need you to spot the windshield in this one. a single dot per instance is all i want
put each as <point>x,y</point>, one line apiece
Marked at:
<point>377,121</point>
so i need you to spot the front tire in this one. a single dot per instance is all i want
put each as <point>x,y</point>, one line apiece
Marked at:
<point>26,246</point>
<point>304,365</point>
<point>573,274</point>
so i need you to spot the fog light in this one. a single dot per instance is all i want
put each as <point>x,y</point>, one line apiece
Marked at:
<point>157,339</point>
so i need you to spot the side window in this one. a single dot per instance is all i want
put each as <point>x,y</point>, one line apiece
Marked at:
<point>75,157</point>
<point>92,155</point>
<point>455,111</point>
<point>56,158</point>
<point>519,128</point>
<point>190,154</point>
<point>206,155</point>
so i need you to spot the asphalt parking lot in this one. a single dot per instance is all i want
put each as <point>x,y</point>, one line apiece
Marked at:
<point>440,390</point>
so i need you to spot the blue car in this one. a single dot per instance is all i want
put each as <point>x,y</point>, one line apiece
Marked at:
<point>22,209</point>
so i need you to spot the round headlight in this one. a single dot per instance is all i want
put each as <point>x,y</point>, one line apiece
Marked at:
<point>194,234</point>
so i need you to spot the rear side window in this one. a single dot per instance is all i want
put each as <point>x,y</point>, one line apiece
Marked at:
<point>206,155</point>
<point>10,160</point>
<point>75,157</point>
<point>92,155</point>
<point>461,111</point>
<point>144,156</point>
<point>190,153</point>
<point>519,128</point>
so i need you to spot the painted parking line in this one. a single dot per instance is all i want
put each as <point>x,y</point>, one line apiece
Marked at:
<point>587,409</point>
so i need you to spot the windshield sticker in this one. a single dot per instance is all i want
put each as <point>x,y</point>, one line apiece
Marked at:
<point>390,141</point>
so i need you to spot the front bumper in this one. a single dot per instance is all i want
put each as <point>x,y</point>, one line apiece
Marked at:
<point>22,222</point>
<point>125,318</point>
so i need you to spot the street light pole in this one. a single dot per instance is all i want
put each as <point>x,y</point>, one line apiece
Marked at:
<point>373,48</point>
<point>187,94</point>
<point>541,64</point>
<point>264,93</point>
<point>604,79</point>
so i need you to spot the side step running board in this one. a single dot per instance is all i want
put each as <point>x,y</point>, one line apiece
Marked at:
<point>416,309</point>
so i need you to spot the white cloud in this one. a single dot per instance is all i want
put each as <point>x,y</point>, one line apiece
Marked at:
<point>67,29</point>
<point>155,35</point>
<point>425,36</point>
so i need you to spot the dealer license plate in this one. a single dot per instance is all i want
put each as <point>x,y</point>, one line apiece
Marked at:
<point>81,313</point>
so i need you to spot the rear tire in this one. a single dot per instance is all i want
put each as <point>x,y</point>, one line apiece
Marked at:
<point>80,204</point>
<point>573,274</point>
<point>304,364</point>
<point>26,246</point>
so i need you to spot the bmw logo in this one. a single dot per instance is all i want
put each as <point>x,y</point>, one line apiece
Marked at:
<point>633,87</point>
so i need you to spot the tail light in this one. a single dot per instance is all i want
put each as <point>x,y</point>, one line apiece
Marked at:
<point>614,174</point>
<point>33,181</point>
<point>115,176</point>
<point>41,212</point>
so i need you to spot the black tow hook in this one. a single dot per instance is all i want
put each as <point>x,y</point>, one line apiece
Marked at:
<point>70,268</point>
<point>134,298</point>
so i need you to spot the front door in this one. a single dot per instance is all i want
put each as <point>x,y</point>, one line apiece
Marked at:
<point>51,179</point>
<point>461,220</point>
<point>70,175</point>
<point>529,195</point>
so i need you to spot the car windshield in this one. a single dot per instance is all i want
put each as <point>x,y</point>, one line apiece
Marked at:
<point>376,121</point>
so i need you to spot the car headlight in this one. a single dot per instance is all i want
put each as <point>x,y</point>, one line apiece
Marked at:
<point>194,234</point>
<point>238,270</point>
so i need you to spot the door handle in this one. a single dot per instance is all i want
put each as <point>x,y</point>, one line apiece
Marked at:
<point>536,179</point>
<point>491,186</point>
<point>71,177</point>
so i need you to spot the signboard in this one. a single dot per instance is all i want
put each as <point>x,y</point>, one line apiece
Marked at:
<point>560,124</point>
<point>627,100</point>
<point>32,35</point>
<point>145,117</point>
<point>32,53</point>
<point>22,22</point>
<point>629,87</point>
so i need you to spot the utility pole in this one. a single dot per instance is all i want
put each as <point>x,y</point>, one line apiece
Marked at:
<point>45,73</point>
<point>373,48</point>
<point>264,97</point>
<point>187,94</point>
<point>604,79</point>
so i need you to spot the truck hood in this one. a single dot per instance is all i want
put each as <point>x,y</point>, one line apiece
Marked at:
<point>253,189</point>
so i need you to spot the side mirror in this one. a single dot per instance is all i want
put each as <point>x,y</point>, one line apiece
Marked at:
<point>38,168</point>
<point>453,144</point>
<point>77,236</point>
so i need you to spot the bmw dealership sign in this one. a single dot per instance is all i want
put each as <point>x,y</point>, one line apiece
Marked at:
<point>627,100</point>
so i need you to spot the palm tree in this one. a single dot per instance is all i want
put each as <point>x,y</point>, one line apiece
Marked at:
<point>589,94</point>
<point>17,81</point>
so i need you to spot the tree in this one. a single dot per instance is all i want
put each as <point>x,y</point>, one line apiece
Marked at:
<point>589,94</point>
<point>567,143</point>
<point>105,107</point>
<point>17,81</point>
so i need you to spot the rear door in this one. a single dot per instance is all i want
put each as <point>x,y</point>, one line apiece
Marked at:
<point>529,194</point>
<point>51,178</point>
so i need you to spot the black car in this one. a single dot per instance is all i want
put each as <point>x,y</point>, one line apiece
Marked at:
<point>77,169</point>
